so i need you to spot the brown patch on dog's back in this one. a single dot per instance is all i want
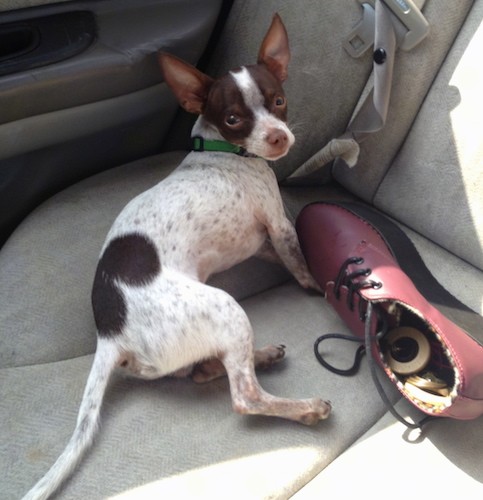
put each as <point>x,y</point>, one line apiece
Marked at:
<point>131,259</point>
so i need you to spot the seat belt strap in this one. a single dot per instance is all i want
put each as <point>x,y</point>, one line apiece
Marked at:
<point>389,24</point>
<point>372,114</point>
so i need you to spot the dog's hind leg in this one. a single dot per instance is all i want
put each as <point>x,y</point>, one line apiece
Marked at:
<point>249,398</point>
<point>235,337</point>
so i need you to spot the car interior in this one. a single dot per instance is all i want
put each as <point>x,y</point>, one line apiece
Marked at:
<point>87,123</point>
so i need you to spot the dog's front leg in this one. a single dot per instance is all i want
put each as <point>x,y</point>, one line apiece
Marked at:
<point>267,252</point>
<point>211,369</point>
<point>286,244</point>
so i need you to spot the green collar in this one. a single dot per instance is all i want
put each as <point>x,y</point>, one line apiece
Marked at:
<point>200,145</point>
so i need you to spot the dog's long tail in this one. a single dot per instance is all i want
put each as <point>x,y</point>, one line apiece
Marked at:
<point>105,360</point>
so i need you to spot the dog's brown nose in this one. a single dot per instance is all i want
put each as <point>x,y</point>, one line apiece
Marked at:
<point>277,137</point>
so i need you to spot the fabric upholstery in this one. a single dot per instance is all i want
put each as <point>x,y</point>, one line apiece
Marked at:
<point>402,463</point>
<point>439,170</point>
<point>77,220</point>
<point>47,330</point>
<point>414,72</point>
<point>319,108</point>
<point>171,437</point>
<point>461,279</point>
<point>169,421</point>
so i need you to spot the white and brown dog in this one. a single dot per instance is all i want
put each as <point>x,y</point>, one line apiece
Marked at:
<point>154,313</point>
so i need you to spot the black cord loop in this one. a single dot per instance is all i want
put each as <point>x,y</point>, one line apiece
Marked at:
<point>340,371</point>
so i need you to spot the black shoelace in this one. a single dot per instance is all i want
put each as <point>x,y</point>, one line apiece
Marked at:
<point>366,311</point>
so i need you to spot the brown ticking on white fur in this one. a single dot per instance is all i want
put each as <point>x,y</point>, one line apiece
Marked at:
<point>154,314</point>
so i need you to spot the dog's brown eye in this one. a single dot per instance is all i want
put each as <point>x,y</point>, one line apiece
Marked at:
<point>279,101</point>
<point>232,120</point>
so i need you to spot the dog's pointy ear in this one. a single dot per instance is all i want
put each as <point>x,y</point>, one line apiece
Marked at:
<point>189,85</point>
<point>274,51</point>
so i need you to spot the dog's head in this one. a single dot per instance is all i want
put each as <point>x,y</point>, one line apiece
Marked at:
<point>246,107</point>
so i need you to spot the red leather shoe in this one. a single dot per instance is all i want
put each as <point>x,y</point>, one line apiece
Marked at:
<point>373,276</point>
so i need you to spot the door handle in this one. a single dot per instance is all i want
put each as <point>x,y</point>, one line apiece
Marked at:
<point>37,42</point>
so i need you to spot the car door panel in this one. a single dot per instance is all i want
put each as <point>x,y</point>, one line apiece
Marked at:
<point>106,105</point>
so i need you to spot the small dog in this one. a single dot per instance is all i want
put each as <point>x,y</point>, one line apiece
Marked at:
<point>154,313</point>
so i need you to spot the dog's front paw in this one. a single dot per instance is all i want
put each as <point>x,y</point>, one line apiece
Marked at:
<point>307,281</point>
